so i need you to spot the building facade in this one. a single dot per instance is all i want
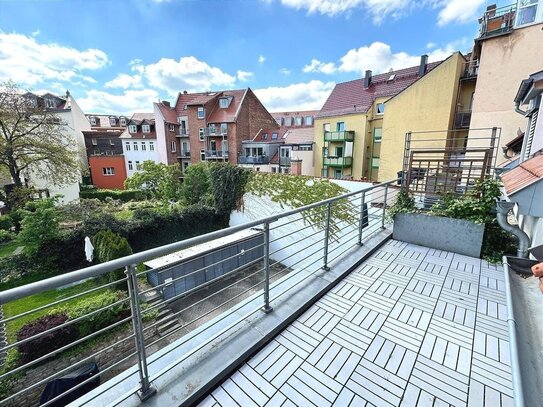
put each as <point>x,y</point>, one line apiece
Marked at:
<point>107,172</point>
<point>139,142</point>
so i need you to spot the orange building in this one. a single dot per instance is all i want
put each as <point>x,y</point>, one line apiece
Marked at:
<point>107,172</point>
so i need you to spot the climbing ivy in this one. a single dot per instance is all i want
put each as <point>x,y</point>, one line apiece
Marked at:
<point>295,191</point>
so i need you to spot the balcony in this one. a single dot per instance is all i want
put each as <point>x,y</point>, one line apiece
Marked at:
<point>462,119</point>
<point>216,154</point>
<point>470,70</point>
<point>339,136</point>
<point>216,131</point>
<point>182,133</point>
<point>337,161</point>
<point>254,160</point>
<point>284,161</point>
<point>184,154</point>
<point>497,21</point>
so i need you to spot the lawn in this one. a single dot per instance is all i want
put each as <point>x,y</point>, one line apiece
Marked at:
<point>7,248</point>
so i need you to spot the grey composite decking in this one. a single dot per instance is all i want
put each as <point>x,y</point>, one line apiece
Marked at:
<point>411,326</point>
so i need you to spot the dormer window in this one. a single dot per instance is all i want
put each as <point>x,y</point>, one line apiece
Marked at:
<point>93,121</point>
<point>132,128</point>
<point>94,142</point>
<point>274,136</point>
<point>288,121</point>
<point>123,121</point>
<point>49,103</point>
<point>224,103</point>
<point>201,112</point>
<point>298,120</point>
<point>264,136</point>
<point>309,120</point>
<point>279,120</point>
<point>112,121</point>
<point>146,128</point>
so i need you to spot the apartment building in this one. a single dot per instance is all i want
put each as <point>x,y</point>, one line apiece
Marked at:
<point>509,49</point>
<point>209,126</point>
<point>139,142</point>
<point>349,127</point>
<point>107,122</point>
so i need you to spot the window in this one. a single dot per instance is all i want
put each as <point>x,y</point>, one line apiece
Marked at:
<point>258,169</point>
<point>96,152</point>
<point>279,121</point>
<point>286,170</point>
<point>109,152</point>
<point>326,127</point>
<point>143,146</point>
<point>288,121</point>
<point>111,142</point>
<point>274,136</point>
<point>274,169</point>
<point>185,165</point>
<point>202,155</point>
<point>380,108</point>
<point>375,162</point>
<point>132,128</point>
<point>151,146</point>
<point>340,126</point>
<point>213,147</point>
<point>108,171</point>
<point>224,103</point>
<point>201,112</point>
<point>112,121</point>
<point>173,146</point>
<point>172,127</point>
<point>123,121</point>
<point>377,135</point>
<point>138,165</point>
<point>94,142</point>
<point>298,120</point>
<point>201,133</point>
<point>146,128</point>
<point>306,148</point>
<point>212,129</point>
<point>285,152</point>
<point>184,127</point>
<point>527,12</point>
<point>93,121</point>
<point>339,151</point>
<point>337,173</point>
<point>127,146</point>
<point>264,136</point>
<point>309,120</point>
<point>130,166</point>
<point>224,128</point>
<point>135,146</point>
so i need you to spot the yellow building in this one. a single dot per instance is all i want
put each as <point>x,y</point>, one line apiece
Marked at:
<point>349,127</point>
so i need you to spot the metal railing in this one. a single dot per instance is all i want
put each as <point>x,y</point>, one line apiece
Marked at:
<point>347,135</point>
<point>284,161</point>
<point>497,21</point>
<point>471,69</point>
<point>337,161</point>
<point>216,131</point>
<point>184,154</point>
<point>262,159</point>
<point>311,238</point>
<point>182,133</point>
<point>213,154</point>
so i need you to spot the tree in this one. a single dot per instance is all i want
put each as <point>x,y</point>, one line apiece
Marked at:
<point>161,181</point>
<point>40,223</point>
<point>33,139</point>
<point>196,184</point>
<point>110,246</point>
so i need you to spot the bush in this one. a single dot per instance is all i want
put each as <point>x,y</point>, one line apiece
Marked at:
<point>16,266</point>
<point>47,343</point>
<point>101,319</point>
<point>196,184</point>
<point>6,236</point>
<point>6,223</point>
<point>110,246</point>
<point>40,223</point>
<point>228,184</point>
<point>122,195</point>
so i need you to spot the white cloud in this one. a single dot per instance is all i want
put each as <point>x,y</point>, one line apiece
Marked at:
<point>318,66</point>
<point>128,102</point>
<point>124,81</point>
<point>459,11</point>
<point>28,62</point>
<point>285,71</point>
<point>35,33</point>
<point>244,76</point>
<point>298,96</point>
<point>431,45</point>
<point>261,59</point>
<point>186,74</point>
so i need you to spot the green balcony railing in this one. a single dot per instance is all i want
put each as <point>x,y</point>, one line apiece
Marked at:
<point>338,161</point>
<point>339,135</point>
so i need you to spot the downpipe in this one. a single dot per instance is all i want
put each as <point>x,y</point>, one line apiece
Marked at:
<point>503,208</point>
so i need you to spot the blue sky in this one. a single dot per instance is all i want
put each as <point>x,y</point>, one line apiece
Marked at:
<point>119,56</point>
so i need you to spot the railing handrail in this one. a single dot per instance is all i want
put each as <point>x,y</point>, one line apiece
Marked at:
<point>136,258</point>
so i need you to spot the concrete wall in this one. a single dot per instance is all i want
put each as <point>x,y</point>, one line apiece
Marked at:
<point>504,62</point>
<point>428,104</point>
<point>99,180</point>
<point>139,155</point>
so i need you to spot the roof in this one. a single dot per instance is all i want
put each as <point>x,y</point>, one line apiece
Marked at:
<point>228,115</point>
<point>280,136</point>
<point>169,113</point>
<point>140,117</point>
<point>525,174</point>
<point>202,99</point>
<point>525,86</point>
<point>303,135</point>
<point>352,97</point>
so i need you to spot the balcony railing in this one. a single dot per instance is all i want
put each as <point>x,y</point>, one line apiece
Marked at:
<point>326,232</point>
<point>339,135</point>
<point>497,21</point>
<point>462,119</point>
<point>184,154</point>
<point>214,154</point>
<point>182,133</point>
<point>263,159</point>
<point>216,131</point>
<point>338,161</point>
<point>284,161</point>
<point>471,69</point>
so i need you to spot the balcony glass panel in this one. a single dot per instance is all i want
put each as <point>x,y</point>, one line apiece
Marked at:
<point>338,135</point>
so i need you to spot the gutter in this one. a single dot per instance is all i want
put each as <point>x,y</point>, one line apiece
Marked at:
<point>518,396</point>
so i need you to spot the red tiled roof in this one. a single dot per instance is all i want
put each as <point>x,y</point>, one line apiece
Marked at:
<point>351,97</point>
<point>228,115</point>
<point>169,113</point>
<point>280,134</point>
<point>202,99</point>
<point>139,117</point>
<point>527,173</point>
<point>303,135</point>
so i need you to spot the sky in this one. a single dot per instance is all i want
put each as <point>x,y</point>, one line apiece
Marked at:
<point>120,56</point>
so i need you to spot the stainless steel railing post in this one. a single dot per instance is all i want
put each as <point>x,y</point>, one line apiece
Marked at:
<point>326,236</point>
<point>361,221</point>
<point>267,309</point>
<point>147,389</point>
<point>384,207</point>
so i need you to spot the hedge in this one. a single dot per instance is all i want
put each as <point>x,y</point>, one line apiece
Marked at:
<point>123,195</point>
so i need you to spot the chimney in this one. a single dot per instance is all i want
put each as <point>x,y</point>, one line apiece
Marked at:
<point>166,103</point>
<point>296,166</point>
<point>367,79</point>
<point>185,92</point>
<point>422,66</point>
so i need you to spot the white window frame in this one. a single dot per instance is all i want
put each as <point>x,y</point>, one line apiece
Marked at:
<point>202,155</point>
<point>135,145</point>
<point>298,120</point>
<point>127,146</point>
<point>173,146</point>
<point>221,103</point>
<point>146,128</point>
<point>108,171</point>
<point>122,121</point>
<point>112,121</point>
<point>143,146</point>
<point>138,166</point>
<point>94,142</point>
<point>201,113</point>
<point>172,127</point>
<point>538,17</point>
<point>93,121</point>
<point>377,112</point>
<point>309,120</point>
<point>151,146</point>
<point>132,128</point>
<point>130,166</point>
<point>201,134</point>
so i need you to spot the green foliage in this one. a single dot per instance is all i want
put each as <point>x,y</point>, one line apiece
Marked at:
<point>196,186</point>
<point>6,236</point>
<point>159,181</point>
<point>6,223</point>
<point>296,191</point>
<point>110,246</point>
<point>18,197</point>
<point>125,195</point>
<point>39,224</point>
<point>404,203</point>
<point>227,185</point>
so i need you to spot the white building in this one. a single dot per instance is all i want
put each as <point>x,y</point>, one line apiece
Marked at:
<point>139,142</point>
